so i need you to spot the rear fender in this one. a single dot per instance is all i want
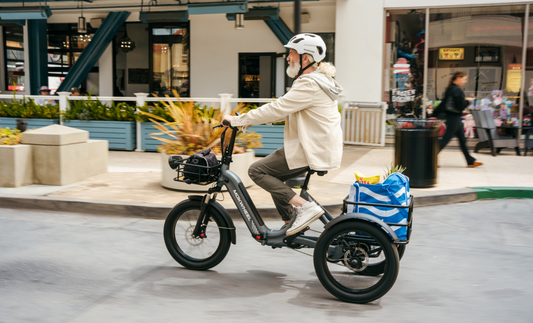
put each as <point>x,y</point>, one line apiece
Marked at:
<point>222,211</point>
<point>365,217</point>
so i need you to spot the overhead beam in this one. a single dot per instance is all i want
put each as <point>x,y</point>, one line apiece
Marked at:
<point>16,13</point>
<point>164,16</point>
<point>257,14</point>
<point>217,7</point>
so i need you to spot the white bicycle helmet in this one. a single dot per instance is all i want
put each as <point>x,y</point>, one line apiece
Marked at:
<point>308,44</point>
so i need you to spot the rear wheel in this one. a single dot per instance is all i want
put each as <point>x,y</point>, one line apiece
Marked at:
<point>345,251</point>
<point>377,267</point>
<point>192,252</point>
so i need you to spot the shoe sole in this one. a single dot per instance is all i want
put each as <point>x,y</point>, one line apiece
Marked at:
<point>302,226</point>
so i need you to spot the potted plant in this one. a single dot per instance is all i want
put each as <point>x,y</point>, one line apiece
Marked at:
<point>15,159</point>
<point>191,130</point>
<point>114,123</point>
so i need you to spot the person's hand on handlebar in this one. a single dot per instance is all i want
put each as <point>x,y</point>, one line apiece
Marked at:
<point>227,118</point>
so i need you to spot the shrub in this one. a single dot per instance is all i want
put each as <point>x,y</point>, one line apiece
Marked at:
<point>10,137</point>
<point>91,109</point>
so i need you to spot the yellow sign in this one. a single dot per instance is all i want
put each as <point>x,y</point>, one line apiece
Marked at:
<point>451,53</point>
<point>514,78</point>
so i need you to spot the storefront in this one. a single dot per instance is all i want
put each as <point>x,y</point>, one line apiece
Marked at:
<point>425,46</point>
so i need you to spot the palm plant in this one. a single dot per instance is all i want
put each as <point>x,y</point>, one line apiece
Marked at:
<point>190,128</point>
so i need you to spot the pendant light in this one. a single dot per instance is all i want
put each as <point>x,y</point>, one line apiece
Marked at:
<point>126,44</point>
<point>239,21</point>
<point>82,23</point>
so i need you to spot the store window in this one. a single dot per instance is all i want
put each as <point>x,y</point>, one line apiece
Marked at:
<point>14,57</point>
<point>404,62</point>
<point>485,43</point>
<point>170,60</point>
<point>65,46</point>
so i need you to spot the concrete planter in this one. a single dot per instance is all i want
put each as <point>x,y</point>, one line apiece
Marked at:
<point>32,123</point>
<point>121,135</point>
<point>240,165</point>
<point>272,138</point>
<point>16,165</point>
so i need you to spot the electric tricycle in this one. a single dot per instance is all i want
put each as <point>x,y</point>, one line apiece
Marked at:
<point>356,257</point>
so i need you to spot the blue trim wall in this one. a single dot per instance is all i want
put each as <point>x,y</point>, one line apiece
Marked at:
<point>92,53</point>
<point>38,49</point>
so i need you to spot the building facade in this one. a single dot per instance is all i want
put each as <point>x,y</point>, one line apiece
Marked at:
<point>399,52</point>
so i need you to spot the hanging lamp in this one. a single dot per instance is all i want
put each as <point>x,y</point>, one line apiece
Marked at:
<point>126,44</point>
<point>82,23</point>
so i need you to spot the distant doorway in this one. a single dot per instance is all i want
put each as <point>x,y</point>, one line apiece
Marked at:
<point>257,75</point>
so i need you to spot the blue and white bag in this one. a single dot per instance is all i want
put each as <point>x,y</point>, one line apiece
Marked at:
<point>394,190</point>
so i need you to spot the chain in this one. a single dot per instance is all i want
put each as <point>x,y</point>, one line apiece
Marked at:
<point>334,263</point>
<point>302,252</point>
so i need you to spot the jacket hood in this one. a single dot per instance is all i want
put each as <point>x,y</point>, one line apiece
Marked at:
<point>328,84</point>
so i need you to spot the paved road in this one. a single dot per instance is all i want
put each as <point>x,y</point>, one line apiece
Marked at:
<point>466,263</point>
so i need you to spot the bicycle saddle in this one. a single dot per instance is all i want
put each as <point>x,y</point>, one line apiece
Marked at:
<point>318,172</point>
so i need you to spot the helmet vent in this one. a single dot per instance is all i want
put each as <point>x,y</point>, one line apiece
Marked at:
<point>296,41</point>
<point>320,50</point>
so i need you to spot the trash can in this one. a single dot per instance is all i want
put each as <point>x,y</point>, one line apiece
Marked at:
<point>416,147</point>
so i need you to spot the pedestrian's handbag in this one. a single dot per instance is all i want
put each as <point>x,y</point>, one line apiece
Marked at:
<point>394,190</point>
<point>192,173</point>
<point>450,106</point>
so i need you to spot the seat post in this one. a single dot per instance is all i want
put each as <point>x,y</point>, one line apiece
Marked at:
<point>307,177</point>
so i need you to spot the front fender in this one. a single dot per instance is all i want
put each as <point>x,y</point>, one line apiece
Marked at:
<point>222,211</point>
<point>365,217</point>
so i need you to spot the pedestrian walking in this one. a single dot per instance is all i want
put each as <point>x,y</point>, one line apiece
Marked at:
<point>451,109</point>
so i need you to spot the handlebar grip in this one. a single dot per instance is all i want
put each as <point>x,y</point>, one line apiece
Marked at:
<point>226,123</point>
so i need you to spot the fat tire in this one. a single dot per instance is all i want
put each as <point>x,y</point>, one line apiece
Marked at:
<point>178,254</point>
<point>344,293</point>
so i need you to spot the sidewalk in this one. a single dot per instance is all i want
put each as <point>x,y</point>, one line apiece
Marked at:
<point>131,186</point>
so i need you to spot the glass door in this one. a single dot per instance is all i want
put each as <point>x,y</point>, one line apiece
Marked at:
<point>257,75</point>
<point>170,61</point>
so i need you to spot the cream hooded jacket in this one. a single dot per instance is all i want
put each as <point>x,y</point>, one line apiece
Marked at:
<point>313,134</point>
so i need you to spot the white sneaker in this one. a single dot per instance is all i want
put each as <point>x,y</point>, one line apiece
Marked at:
<point>305,215</point>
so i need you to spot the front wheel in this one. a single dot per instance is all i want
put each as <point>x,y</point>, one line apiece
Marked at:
<point>344,252</point>
<point>191,252</point>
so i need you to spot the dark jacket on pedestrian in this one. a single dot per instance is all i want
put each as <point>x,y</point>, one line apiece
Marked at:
<point>453,92</point>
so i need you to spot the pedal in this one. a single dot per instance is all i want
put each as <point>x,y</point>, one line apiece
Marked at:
<point>289,240</point>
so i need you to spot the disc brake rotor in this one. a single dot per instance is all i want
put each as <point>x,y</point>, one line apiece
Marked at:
<point>190,239</point>
<point>356,259</point>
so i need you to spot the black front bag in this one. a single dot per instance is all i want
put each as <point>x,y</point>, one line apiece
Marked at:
<point>193,173</point>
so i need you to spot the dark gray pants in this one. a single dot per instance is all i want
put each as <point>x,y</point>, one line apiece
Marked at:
<point>270,173</point>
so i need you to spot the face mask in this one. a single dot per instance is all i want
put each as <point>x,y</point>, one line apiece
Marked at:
<point>293,69</point>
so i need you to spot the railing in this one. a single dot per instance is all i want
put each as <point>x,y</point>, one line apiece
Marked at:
<point>363,123</point>
<point>224,100</point>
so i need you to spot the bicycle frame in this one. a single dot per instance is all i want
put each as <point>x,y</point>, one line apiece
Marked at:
<point>259,230</point>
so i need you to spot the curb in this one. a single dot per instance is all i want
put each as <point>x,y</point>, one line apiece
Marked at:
<point>495,192</point>
<point>160,211</point>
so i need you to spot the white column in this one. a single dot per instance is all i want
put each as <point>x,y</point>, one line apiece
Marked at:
<point>141,100</point>
<point>27,84</point>
<point>105,71</point>
<point>225,105</point>
<point>63,104</point>
<point>359,46</point>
